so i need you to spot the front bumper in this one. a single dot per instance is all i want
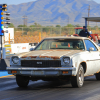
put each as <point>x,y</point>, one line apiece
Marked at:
<point>58,71</point>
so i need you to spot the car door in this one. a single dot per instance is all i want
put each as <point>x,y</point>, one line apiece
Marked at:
<point>93,63</point>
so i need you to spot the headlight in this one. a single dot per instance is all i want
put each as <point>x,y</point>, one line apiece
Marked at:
<point>15,60</point>
<point>66,60</point>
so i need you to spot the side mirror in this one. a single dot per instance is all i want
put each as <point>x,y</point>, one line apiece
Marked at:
<point>31,49</point>
<point>91,49</point>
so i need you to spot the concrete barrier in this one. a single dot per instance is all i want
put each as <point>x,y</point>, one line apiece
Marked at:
<point>15,49</point>
<point>19,48</point>
<point>3,64</point>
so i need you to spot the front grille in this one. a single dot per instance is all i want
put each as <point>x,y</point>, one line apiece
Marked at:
<point>40,63</point>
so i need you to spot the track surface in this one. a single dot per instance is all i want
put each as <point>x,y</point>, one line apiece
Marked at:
<point>43,90</point>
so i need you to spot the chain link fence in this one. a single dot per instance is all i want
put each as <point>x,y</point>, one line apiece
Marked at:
<point>27,35</point>
<point>36,34</point>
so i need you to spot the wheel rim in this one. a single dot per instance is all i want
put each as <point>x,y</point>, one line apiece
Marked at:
<point>81,77</point>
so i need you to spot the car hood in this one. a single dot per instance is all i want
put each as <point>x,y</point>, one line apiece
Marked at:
<point>52,54</point>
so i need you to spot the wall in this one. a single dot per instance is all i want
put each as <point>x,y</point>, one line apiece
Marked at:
<point>19,48</point>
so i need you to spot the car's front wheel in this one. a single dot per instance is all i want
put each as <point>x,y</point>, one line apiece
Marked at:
<point>78,80</point>
<point>22,81</point>
<point>97,75</point>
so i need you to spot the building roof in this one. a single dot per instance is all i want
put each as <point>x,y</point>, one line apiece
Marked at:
<point>93,19</point>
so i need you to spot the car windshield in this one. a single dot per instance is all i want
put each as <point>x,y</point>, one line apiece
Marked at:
<point>72,44</point>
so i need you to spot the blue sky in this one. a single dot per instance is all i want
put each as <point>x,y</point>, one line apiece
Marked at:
<point>98,1</point>
<point>9,2</point>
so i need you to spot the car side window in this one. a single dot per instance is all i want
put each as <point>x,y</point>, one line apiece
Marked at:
<point>89,44</point>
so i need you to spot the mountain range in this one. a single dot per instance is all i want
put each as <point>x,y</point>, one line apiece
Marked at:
<point>53,12</point>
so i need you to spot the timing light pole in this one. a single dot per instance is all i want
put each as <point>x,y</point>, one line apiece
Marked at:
<point>3,8</point>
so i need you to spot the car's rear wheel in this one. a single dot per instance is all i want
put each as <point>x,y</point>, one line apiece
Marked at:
<point>22,81</point>
<point>97,75</point>
<point>78,80</point>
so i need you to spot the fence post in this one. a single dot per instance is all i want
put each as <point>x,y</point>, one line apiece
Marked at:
<point>22,31</point>
<point>9,38</point>
<point>60,30</point>
<point>39,36</point>
<point>41,31</point>
<point>51,30</point>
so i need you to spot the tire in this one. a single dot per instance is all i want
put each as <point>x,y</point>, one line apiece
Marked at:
<point>78,80</point>
<point>97,75</point>
<point>22,81</point>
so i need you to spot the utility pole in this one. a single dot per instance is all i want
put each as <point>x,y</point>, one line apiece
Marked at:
<point>88,13</point>
<point>25,20</point>
<point>68,19</point>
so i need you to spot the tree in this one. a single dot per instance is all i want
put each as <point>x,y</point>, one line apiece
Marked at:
<point>77,25</point>
<point>58,26</point>
<point>37,25</point>
<point>21,26</point>
<point>11,25</point>
<point>69,25</point>
<point>95,27</point>
<point>46,29</point>
<point>32,26</point>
